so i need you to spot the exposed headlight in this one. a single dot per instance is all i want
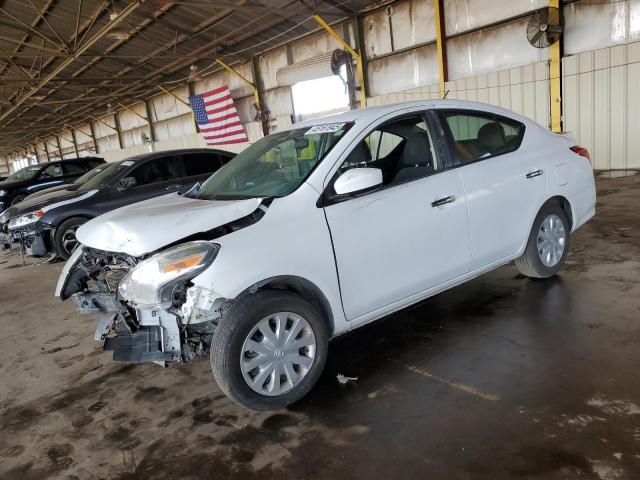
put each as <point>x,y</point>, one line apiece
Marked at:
<point>23,220</point>
<point>150,284</point>
<point>3,193</point>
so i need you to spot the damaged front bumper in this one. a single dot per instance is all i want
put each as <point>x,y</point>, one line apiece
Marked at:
<point>139,335</point>
<point>34,242</point>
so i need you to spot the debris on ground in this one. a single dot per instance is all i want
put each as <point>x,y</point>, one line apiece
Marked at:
<point>343,379</point>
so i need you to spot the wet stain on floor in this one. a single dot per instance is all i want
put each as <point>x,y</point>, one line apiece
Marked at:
<point>502,377</point>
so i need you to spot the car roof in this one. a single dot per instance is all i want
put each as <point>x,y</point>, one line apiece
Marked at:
<point>370,114</point>
<point>165,153</point>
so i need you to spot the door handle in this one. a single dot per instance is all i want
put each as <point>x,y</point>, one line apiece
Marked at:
<point>535,173</point>
<point>170,187</point>
<point>442,201</point>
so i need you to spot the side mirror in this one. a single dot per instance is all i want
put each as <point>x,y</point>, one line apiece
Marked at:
<point>358,179</point>
<point>126,183</point>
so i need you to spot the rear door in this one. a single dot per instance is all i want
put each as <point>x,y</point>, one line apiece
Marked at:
<point>504,184</point>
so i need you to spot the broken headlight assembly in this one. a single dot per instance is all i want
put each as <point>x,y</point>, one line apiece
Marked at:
<point>152,282</point>
<point>25,220</point>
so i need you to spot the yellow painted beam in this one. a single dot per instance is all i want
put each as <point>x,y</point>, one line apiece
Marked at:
<point>555,74</point>
<point>355,54</point>
<point>441,45</point>
<point>134,112</point>
<point>250,84</point>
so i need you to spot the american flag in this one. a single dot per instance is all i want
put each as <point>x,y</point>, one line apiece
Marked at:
<point>217,117</point>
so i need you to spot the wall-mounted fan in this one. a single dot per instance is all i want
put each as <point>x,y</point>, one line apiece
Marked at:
<point>545,27</point>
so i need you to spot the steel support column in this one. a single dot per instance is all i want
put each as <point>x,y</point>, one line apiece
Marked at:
<point>555,78</point>
<point>75,142</point>
<point>93,137</point>
<point>118,130</point>
<point>261,103</point>
<point>441,45</point>
<point>152,127</point>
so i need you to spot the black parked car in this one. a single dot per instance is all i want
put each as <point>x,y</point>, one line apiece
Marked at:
<point>40,197</point>
<point>50,225</point>
<point>33,178</point>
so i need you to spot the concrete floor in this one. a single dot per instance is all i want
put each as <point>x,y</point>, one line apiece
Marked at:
<point>501,377</point>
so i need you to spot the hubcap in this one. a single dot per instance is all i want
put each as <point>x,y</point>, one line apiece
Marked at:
<point>69,240</point>
<point>551,240</point>
<point>278,353</point>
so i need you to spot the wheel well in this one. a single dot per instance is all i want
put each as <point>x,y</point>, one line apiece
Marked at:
<point>302,287</point>
<point>81,215</point>
<point>565,205</point>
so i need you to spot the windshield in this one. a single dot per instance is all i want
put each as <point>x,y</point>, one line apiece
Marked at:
<point>104,176</point>
<point>274,166</point>
<point>25,173</point>
<point>90,174</point>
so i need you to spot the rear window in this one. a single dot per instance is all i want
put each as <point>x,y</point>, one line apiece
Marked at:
<point>480,135</point>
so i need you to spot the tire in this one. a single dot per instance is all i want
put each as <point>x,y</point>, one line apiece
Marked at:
<point>61,239</point>
<point>531,263</point>
<point>236,327</point>
<point>17,199</point>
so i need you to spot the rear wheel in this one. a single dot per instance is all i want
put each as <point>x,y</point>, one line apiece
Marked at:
<point>64,240</point>
<point>269,349</point>
<point>548,243</point>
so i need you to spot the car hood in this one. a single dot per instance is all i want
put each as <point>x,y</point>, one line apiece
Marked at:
<point>46,201</point>
<point>48,191</point>
<point>147,226</point>
<point>9,184</point>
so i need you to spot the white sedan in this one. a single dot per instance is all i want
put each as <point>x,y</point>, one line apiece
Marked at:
<point>322,228</point>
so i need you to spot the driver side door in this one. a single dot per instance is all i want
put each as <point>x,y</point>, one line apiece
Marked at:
<point>408,235</point>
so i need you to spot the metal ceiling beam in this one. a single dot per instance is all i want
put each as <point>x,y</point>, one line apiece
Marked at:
<point>31,29</point>
<point>91,41</point>
<point>248,7</point>
<point>85,28</point>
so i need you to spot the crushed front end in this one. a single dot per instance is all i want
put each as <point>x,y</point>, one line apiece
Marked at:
<point>27,235</point>
<point>148,310</point>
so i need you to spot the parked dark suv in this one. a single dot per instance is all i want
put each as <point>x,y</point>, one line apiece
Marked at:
<point>39,227</point>
<point>30,179</point>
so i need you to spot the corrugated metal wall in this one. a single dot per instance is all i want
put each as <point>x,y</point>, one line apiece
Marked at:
<point>524,90</point>
<point>601,93</point>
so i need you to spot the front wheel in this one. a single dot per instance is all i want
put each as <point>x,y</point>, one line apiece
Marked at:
<point>64,240</point>
<point>269,349</point>
<point>548,243</point>
<point>17,199</point>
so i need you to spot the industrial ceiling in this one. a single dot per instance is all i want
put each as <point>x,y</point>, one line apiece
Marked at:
<point>64,60</point>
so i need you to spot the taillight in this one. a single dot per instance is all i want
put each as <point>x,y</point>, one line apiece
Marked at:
<point>583,152</point>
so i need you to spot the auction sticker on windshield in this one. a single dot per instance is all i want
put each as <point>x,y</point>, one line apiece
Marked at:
<point>326,128</point>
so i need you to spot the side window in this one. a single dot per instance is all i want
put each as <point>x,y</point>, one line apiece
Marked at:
<point>74,168</point>
<point>478,135</point>
<point>200,163</point>
<point>154,171</point>
<point>402,149</point>
<point>52,171</point>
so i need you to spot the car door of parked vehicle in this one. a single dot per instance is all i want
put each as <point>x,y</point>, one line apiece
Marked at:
<point>152,178</point>
<point>73,170</point>
<point>503,183</point>
<point>408,235</point>
<point>51,176</point>
<point>198,166</point>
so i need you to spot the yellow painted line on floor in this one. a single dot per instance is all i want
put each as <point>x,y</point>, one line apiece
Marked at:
<point>459,386</point>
